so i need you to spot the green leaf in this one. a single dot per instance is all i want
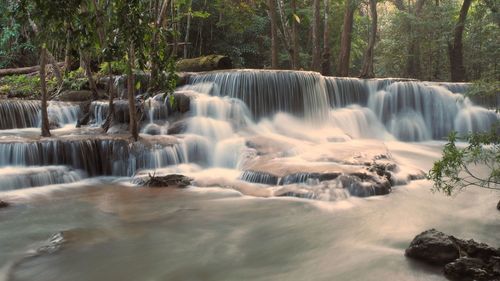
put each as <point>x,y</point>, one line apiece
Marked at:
<point>138,85</point>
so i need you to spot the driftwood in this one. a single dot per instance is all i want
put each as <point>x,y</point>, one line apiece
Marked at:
<point>166,181</point>
<point>207,63</point>
<point>22,70</point>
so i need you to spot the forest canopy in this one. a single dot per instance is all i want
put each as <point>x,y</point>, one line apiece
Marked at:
<point>416,39</point>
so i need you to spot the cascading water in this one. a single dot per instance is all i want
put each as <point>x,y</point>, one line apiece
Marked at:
<point>26,114</point>
<point>269,126</point>
<point>249,132</point>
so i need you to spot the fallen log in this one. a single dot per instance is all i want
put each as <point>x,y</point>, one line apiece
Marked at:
<point>23,70</point>
<point>206,63</point>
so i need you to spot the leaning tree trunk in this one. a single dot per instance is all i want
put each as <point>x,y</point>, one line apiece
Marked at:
<point>316,50</point>
<point>131,94</point>
<point>345,41</point>
<point>43,85</point>
<point>457,67</point>
<point>367,71</point>
<point>295,38</point>
<point>326,65</point>
<point>274,33</point>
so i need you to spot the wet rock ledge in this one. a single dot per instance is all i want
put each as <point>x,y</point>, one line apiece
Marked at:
<point>463,260</point>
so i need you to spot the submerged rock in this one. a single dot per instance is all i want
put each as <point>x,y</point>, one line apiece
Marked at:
<point>4,204</point>
<point>462,259</point>
<point>166,181</point>
<point>433,247</point>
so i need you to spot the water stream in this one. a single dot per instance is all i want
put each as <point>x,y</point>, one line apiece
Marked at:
<point>296,177</point>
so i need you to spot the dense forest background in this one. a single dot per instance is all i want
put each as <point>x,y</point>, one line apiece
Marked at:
<point>419,39</point>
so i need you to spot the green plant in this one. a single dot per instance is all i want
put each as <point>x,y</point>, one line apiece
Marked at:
<point>24,85</point>
<point>118,68</point>
<point>456,169</point>
<point>75,80</point>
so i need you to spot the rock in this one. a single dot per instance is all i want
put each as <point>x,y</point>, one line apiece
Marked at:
<point>474,249</point>
<point>166,181</point>
<point>463,259</point>
<point>75,96</point>
<point>498,206</point>
<point>364,184</point>
<point>206,63</point>
<point>433,247</point>
<point>4,204</point>
<point>178,127</point>
<point>182,102</point>
<point>464,269</point>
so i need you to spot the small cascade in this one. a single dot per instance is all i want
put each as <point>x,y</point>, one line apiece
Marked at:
<point>99,112</point>
<point>115,157</point>
<point>435,105</point>
<point>18,114</point>
<point>26,114</point>
<point>17,178</point>
<point>213,123</point>
<point>358,122</point>
<point>346,91</point>
<point>62,113</point>
<point>266,92</point>
<point>474,119</point>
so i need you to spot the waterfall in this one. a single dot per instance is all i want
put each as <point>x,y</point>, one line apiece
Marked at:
<point>16,178</point>
<point>94,156</point>
<point>297,129</point>
<point>266,92</point>
<point>26,114</point>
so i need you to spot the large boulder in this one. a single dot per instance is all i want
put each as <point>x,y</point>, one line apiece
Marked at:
<point>465,269</point>
<point>464,260</point>
<point>433,247</point>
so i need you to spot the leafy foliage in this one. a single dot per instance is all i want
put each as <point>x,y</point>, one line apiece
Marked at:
<point>24,86</point>
<point>455,170</point>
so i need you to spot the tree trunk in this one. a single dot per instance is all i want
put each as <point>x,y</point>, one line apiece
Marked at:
<point>155,72</point>
<point>111,104</point>
<point>367,71</point>
<point>345,41</point>
<point>457,67</point>
<point>188,27</point>
<point>413,67</point>
<point>88,73</point>
<point>131,94</point>
<point>295,38</point>
<point>67,52</point>
<point>45,115</point>
<point>326,65</point>
<point>316,50</point>
<point>274,33</point>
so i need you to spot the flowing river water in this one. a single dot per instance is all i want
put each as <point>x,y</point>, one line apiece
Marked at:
<point>296,177</point>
